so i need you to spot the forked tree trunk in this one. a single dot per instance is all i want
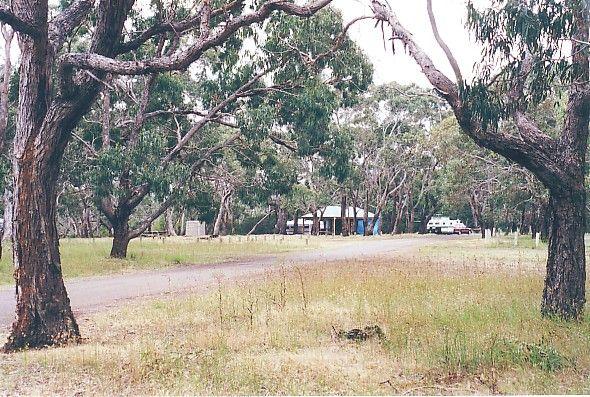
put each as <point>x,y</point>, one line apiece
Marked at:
<point>564,294</point>
<point>220,225</point>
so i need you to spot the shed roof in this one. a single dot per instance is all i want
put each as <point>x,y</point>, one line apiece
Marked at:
<point>333,211</point>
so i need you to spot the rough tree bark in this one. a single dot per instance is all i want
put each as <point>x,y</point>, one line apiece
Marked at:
<point>44,316</point>
<point>121,235</point>
<point>559,163</point>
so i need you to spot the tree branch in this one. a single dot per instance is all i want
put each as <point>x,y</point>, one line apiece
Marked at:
<point>19,25</point>
<point>176,27</point>
<point>442,44</point>
<point>531,148</point>
<point>69,19</point>
<point>211,115</point>
<point>183,59</point>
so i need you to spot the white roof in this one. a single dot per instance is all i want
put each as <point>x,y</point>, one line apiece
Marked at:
<point>300,222</point>
<point>334,211</point>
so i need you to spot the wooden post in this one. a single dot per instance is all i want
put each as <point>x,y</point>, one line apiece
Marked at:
<point>333,226</point>
<point>516,237</point>
<point>537,239</point>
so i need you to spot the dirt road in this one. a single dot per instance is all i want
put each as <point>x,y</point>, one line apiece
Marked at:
<point>92,293</point>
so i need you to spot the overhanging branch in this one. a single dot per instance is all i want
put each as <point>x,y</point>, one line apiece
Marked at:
<point>183,59</point>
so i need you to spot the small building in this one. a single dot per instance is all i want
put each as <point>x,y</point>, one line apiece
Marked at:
<point>195,228</point>
<point>331,221</point>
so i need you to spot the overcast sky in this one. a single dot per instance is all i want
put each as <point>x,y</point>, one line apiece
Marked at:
<point>450,15</point>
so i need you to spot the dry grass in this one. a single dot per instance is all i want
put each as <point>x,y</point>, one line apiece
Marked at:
<point>89,257</point>
<point>453,326</point>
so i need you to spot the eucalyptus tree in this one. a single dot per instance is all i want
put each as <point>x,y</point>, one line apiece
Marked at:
<point>58,85</point>
<point>390,128</point>
<point>528,49</point>
<point>230,89</point>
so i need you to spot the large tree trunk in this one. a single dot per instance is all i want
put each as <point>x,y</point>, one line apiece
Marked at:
<point>315,227</point>
<point>281,226</point>
<point>43,309</point>
<point>559,163</point>
<point>564,292</point>
<point>121,237</point>
<point>44,316</point>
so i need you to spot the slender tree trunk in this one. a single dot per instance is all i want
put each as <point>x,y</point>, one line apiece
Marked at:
<point>564,292</point>
<point>411,212</point>
<point>169,217</point>
<point>258,223</point>
<point>344,215</point>
<point>355,215</point>
<point>522,223</point>
<point>296,223</point>
<point>411,219</point>
<point>399,212</point>
<point>545,222</point>
<point>182,227</point>
<point>366,216</point>
<point>8,35</point>
<point>7,198</point>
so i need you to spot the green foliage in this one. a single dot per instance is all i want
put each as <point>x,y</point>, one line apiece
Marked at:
<point>514,34</point>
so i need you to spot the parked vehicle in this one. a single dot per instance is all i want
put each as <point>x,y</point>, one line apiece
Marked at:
<point>442,225</point>
<point>460,228</point>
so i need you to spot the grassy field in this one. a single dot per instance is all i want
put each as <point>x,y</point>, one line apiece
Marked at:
<point>88,257</point>
<point>459,318</point>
